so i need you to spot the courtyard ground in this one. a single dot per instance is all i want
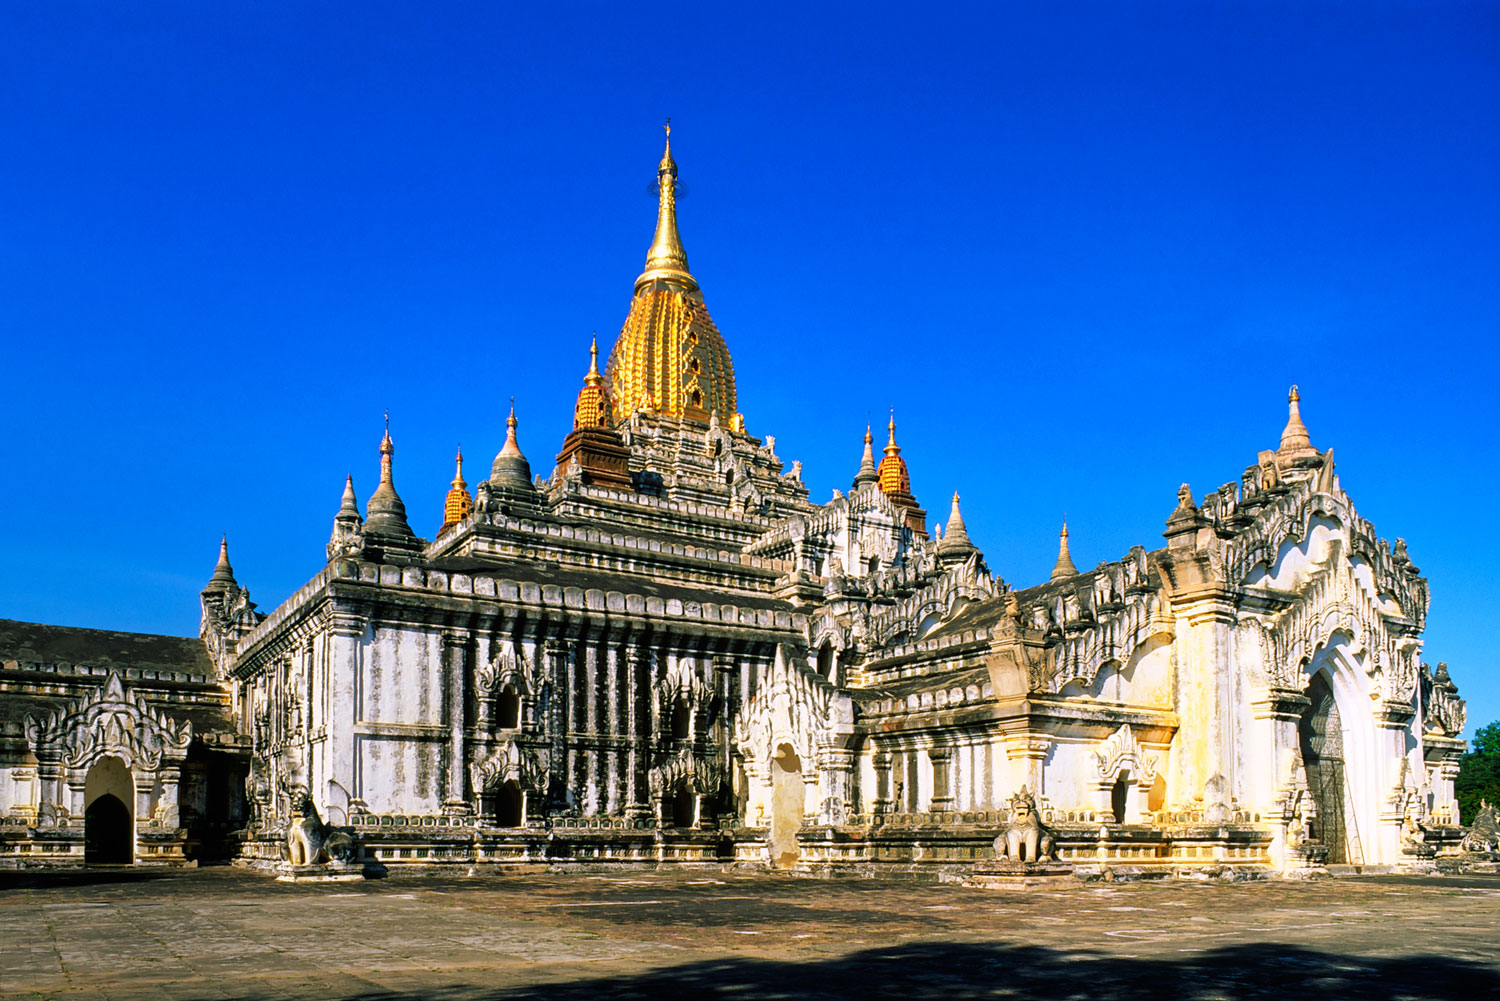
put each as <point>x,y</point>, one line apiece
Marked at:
<point>224,933</point>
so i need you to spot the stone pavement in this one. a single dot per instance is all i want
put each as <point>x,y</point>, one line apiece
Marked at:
<point>223,933</point>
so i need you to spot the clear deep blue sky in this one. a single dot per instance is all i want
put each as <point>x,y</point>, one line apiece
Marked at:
<point>1083,250</point>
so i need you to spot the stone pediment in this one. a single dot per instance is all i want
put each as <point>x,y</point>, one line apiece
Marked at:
<point>112,720</point>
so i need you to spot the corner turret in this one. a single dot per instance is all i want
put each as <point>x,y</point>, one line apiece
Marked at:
<point>344,540</point>
<point>227,612</point>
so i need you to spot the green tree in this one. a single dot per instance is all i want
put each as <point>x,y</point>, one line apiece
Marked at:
<point>1479,772</point>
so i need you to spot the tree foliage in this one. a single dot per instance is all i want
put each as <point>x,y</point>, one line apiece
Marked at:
<point>1479,772</point>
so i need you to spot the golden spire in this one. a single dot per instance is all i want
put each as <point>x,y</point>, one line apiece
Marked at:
<point>593,379</point>
<point>669,357</point>
<point>1294,437</point>
<point>895,481</point>
<point>458,505</point>
<point>1064,566</point>
<point>666,260</point>
<point>592,408</point>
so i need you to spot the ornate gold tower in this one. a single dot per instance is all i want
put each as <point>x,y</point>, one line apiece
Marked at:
<point>459,504</point>
<point>895,483</point>
<point>593,450</point>
<point>670,358</point>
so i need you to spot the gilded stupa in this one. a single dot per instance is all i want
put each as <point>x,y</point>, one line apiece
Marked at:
<point>670,358</point>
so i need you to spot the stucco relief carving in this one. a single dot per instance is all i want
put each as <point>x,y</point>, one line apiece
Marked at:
<point>1122,752</point>
<point>511,760</point>
<point>506,667</point>
<point>1443,711</point>
<point>791,708</point>
<point>112,720</point>
<point>1113,635</point>
<point>685,770</point>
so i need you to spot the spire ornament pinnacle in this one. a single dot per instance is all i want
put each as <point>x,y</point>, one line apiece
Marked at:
<point>895,481</point>
<point>459,504</point>
<point>386,512</point>
<point>1295,441</point>
<point>867,473</point>
<point>592,408</point>
<point>666,261</point>
<point>510,468</point>
<point>344,540</point>
<point>1064,566</point>
<point>223,576</point>
<point>955,544</point>
<point>349,503</point>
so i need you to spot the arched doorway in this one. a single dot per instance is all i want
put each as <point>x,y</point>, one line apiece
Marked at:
<point>108,820</point>
<point>1119,798</point>
<point>508,708</point>
<point>1322,738</point>
<point>787,796</point>
<point>682,719</point>
<point>510,805</point>
<point>826,660</point>
<point>685,808</point>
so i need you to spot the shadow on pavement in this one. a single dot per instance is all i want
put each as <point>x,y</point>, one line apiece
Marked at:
<point>39,879</point>
<point>942,972</point>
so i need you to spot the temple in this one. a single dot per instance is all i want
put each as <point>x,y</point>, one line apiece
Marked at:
<point>660,650</point>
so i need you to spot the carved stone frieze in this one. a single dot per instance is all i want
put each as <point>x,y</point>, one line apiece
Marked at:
<point>111,720</point>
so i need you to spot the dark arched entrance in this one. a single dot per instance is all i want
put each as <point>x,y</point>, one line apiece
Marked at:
<point>509,805</point>
<point>1119,797</point>
<point>685,808</point>
<point>106,832</point>
<point>108,825</point>
<point>1322,738</point>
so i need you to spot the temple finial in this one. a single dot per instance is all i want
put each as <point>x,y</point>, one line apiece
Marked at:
<point>222,580</point>
<point>385,513</point>
<point>593,378</point>
<point>666,261</point>
<point>954,544</point>
<point>459,503</point>
<point>1295,440</point>
<point>1064,566</point>
<point>510,468</point>
<point>867,473</point>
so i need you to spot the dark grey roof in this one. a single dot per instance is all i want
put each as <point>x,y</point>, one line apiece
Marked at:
<point>39,643</point>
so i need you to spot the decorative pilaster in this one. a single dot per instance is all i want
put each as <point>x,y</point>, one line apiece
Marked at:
<point>942,792</point>
<point>882,802</point>
<point>456,667</point>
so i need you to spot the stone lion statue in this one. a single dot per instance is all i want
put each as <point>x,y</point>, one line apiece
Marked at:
<point>1484,834</point>
<point>1025,838</point>
<point>309,841</point>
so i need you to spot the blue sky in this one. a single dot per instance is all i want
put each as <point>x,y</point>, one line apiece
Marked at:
<point>1083,251</point>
